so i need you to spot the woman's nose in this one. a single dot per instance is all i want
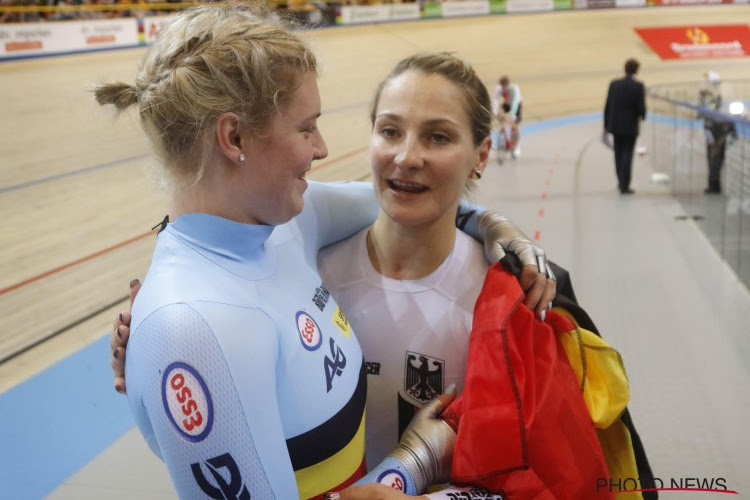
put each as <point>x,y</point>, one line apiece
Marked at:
<point>320,150</point>
<point>410,154</point>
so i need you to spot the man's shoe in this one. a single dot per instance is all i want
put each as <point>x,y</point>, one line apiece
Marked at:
<point>712,191</point>
<point>627,191</point>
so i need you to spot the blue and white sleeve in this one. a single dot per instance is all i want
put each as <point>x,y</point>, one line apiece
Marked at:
<point>218,440</point>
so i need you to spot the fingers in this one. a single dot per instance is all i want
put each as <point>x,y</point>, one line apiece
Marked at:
<point>363,492</point>
<point>367,492</point>
<point>548,295</point>
<point>444,400</point>
<point>117,362</point>
<point>540,290</point>
<point>118,340</point>
<point>120,385</point>
<point>135,286</point>
<point>533,283</point>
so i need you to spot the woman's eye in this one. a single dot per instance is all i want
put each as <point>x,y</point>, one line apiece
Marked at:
<point>308,128</point>
<point>388,132</point>
<point>440,138</point>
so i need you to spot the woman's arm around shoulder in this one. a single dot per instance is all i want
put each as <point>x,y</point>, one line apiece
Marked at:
<point>334,211</point>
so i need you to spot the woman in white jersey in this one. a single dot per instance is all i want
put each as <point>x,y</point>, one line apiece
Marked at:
<point>244,377</point>
<point>409,282</point>
<point>226,160</point>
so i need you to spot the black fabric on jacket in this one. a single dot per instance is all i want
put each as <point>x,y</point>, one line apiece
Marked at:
<point>566,298</point>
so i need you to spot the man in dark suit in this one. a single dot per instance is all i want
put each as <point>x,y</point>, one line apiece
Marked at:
<point>625,108</point>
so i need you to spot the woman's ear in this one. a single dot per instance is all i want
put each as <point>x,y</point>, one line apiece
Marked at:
<point>483,152</point>
<point>229,137</point>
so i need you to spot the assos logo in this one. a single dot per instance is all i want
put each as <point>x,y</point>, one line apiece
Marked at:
<point>187,401</point>
<point>309,331</point>
<point>393,479</point>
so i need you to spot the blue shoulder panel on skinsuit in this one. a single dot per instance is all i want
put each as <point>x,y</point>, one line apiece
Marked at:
<point>235,352</point>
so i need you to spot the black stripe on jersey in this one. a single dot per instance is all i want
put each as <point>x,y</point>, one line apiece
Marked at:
<point>331,436</point>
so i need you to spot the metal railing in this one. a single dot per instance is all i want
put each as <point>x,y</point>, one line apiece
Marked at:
<point>679,155</point>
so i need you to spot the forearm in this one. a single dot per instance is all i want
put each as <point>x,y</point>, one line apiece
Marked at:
<point>336,210</point>
<point>422,456</point>
<point>498,234</point>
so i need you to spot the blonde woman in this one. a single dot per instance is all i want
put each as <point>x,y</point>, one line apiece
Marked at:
<point>243,375</point>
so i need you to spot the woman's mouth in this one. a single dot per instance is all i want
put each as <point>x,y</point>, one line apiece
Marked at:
<point>406,186</point>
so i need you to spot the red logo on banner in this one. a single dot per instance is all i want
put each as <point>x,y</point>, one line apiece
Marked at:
<point>698,42</point>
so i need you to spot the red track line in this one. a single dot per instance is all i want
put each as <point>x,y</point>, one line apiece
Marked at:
<point>74,263</point>
<point>140,237</point>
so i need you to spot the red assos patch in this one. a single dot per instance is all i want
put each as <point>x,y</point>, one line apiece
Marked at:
<point>309,331</point>
<point>187,401</point>
<point>393,479</point>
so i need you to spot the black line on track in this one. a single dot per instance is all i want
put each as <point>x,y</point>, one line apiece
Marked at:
<point>72,173</point>
<point>63,329</point>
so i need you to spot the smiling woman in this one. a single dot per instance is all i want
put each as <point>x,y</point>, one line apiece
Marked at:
<point>229,100</point>
<point>410,281</point>
<point>270,190</point>
<point>425,147</point>
<point>238,359</point>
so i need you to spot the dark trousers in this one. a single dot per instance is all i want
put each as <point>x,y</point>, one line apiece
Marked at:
<point>715,153</point>
<point>624,146</point>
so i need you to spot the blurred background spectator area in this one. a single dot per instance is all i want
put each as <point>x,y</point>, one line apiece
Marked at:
<point>14,11</point>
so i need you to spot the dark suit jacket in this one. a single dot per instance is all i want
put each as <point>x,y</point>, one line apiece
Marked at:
<point>626,106</point>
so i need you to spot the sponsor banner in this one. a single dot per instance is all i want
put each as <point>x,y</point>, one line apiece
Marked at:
<point>630,3</point>
<point>689,2</point>
<point>498,6</point>
<point>579,4</point>
<point>150,27</point>
<point>405,11</point>
<point>698,42</point>
<point>563,4</point>
<point>600,4</point>
<point>466,8</point>
<point>432,9</point>
<point>530,5</point>
<point>312,16</point>
<point>356,14</point>
<point>31,39</point>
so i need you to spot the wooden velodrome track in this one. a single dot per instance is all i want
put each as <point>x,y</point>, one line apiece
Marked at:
<point>77,199</point>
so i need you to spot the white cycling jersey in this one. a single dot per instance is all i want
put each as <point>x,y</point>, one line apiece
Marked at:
<point>414,333</point>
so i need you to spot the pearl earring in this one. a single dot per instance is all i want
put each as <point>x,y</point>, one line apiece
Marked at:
<point>243,158</point>
<point>476,174</point>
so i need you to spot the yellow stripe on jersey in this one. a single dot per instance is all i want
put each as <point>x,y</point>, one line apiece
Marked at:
<point>321,477</point>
